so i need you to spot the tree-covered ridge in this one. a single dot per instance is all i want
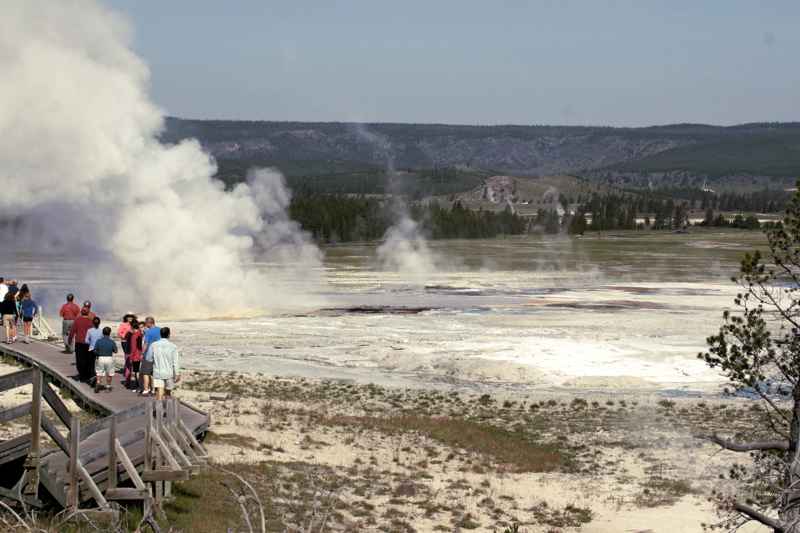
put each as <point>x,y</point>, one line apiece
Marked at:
<point>762,149</point>
<point>179,128</point>
<point>772,153</point>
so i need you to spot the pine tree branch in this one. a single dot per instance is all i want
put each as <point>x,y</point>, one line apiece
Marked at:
<point>758,516</point>
<point>771,404</point>
<point>772,301</point>
<point>750,446</point>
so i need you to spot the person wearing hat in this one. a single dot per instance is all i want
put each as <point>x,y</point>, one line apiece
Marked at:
<point>12,287</point>
<point>88,306</point>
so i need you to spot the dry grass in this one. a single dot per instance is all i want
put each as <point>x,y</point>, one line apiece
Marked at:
<point>514,451</point>
<point>233,439</point>
<point>659,491</point>
<point>438,460</point>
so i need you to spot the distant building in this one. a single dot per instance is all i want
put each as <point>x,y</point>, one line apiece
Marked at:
<point>500,189</point>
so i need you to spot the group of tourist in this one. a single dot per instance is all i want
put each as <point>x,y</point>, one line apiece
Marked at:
<point>152,361</point>
<point>17,304</point>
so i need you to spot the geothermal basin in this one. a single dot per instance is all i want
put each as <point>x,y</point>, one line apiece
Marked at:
<point>617,311</point>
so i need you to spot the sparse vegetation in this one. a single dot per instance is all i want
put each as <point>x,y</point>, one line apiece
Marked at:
<point>407,466</point>
<point>513,450</point>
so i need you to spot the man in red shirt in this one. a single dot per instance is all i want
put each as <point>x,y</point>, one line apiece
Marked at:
<point>78,331</point>
<point>69,312</point>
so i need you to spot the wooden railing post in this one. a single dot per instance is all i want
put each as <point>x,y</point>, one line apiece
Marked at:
<point>73,496</point>
<point>148,455</point>
<point>148,438</point>
<point>164,433</point>
<point>32,462</point>
<point>154,459</point>
<point>159,453</point>
<point>112,453</point>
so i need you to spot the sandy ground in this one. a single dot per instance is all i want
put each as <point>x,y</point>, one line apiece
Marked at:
<point>629,479</point>
<point>635,464</point>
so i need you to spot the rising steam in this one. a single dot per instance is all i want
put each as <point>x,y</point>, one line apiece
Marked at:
<point>404,248</point>
<point>82,168</point>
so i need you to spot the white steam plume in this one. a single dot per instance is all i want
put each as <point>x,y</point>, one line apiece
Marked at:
<point>81,165</point>
<point>404,248</point>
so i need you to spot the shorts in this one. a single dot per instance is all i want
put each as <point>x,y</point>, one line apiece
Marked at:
<point>135,366</point>
<point>27,319</point>
<point>9,321</point>
<point>104,366</point>
<point>168,383</point>
<point>146,368</point>
<point>66,325</point>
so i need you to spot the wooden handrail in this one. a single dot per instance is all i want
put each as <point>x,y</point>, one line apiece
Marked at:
<point>103,423</point>
<point>99,453</point>
<point>56,404</point>
<point>16,379</point>
<point>13,413</point>
<point>73,496</point>
<point>32,461</point>
<point>51,429</point>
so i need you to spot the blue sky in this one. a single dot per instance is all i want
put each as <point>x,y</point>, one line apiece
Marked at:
<point>619,63</point>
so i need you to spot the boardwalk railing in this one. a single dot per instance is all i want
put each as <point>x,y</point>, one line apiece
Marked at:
<point>41,329</point>
<point>27,487</point>
<point>148,446</point>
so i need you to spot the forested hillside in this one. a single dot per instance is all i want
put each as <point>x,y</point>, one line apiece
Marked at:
<point>361,152</point>
<point>770,152</point>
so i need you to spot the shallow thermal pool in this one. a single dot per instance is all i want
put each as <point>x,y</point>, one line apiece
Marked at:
<point>625,310</point>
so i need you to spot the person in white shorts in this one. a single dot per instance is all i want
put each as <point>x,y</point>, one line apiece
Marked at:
<point>166,365</point>
<point>104,350</point>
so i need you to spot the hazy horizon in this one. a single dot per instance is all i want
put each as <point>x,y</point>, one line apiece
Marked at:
<point>490,125</point>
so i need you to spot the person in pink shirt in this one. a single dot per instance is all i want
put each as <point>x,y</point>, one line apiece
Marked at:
<point>122,332</point>
<point>69,312</point>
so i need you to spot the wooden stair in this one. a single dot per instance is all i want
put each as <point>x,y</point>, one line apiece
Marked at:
<point>141,442</point>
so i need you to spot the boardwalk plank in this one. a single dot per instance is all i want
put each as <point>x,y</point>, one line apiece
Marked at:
<point>126,404</point>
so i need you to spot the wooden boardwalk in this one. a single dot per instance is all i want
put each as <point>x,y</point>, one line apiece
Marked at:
<point>153,436</point>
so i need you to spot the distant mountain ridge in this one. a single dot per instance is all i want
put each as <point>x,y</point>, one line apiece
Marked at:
<point>758,149</point>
